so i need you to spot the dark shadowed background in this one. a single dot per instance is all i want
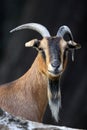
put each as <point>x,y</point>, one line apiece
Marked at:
<point>15,59</point>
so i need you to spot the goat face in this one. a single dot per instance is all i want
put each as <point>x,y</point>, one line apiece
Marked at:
<point>53,49</point>
<point>54,54</point>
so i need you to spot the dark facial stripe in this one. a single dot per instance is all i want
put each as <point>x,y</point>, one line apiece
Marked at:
<point>54,50</point>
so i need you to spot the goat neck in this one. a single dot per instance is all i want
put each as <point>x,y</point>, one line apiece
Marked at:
<point>37,80</point>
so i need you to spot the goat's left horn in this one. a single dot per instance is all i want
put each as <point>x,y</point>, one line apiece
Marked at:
<point>65,30</point>
<point>34,26</point>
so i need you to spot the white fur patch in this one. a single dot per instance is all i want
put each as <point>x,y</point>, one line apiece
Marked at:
<point>54,107</point>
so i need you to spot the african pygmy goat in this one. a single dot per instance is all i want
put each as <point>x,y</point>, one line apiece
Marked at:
<point>28,96</point>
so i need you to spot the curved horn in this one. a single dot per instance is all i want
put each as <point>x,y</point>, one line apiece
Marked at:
<point>64,30</point>
<point>34,26</point>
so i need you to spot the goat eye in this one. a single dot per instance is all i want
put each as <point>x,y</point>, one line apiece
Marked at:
<point>67,48</point>
<point>40,49</point>
<point>65,53</point>
<point>43,54</point>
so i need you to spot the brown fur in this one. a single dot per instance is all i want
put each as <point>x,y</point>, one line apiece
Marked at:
<point>27,96</point>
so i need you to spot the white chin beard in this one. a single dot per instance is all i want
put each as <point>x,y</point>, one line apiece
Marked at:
<point>54,107</point>
<point>54,97</point>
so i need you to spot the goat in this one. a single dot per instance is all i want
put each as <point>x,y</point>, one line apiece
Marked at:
<point>28,96</point>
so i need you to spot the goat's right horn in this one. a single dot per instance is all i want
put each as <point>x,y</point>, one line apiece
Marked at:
<point>34,26</point>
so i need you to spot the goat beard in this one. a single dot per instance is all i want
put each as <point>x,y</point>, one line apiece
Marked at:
<point>54,98</point>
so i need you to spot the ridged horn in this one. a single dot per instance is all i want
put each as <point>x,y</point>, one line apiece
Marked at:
<point>34,26</point>
<point>65,30</point>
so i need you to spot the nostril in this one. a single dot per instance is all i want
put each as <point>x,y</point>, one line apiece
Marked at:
<point>55,64</point>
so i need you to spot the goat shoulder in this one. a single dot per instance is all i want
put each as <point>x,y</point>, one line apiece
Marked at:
<point>26,96</point>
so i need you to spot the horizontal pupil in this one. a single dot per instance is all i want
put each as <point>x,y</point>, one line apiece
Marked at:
<point>43,54</point>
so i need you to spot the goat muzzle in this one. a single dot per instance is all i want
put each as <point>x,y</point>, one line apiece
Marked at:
<point>54,72</point>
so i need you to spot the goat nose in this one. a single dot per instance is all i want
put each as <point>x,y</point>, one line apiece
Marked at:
<point>55,64</point>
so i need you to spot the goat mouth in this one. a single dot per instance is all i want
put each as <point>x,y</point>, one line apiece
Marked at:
<point>54,73</point>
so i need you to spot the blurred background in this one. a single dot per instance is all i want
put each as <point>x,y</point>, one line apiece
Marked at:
<point>15,59</point>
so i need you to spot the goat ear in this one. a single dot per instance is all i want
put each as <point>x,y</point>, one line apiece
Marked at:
<point>33,43</point>
<point>73,45</point>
